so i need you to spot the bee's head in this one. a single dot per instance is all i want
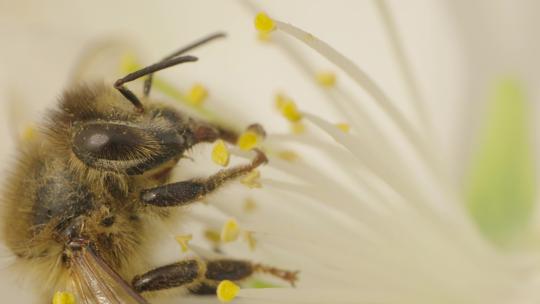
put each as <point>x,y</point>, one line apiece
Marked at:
<point>110,128</point>
<point>135,143</point>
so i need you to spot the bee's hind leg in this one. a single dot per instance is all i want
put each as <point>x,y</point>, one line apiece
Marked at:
<point>202,277</point>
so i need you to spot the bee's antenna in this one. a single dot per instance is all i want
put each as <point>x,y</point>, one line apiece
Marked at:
<point>187,48</point>
<point>119,84</point>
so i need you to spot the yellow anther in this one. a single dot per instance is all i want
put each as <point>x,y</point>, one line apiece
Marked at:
<point>128,63</point>
<point>227,291</point>
<point>212,236</point>
<point>249,205</point>
<point>230,231</point>
<point>326,79</point>
<point>263,23</point>
<point>298,127</point>
<point>248,140</point>
<point>252,179</point>
<point>288,155</point>
<point>63,297</point>
<point>220,153</point>
<point>250,239</point>
<point>288,108</point>
<point>29,133</point>
<point>197,95</point>
<point>343,127</point>
<point>183,240</point>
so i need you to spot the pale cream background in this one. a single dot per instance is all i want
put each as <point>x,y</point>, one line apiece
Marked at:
<point>40,42</point>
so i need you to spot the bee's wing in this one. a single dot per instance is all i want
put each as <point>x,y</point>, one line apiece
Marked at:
<point>94,282</point>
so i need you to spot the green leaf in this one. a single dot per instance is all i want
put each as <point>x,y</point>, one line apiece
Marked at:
<point>500,190</point>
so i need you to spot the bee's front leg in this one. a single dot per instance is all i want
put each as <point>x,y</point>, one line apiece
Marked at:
<point>185,192</point>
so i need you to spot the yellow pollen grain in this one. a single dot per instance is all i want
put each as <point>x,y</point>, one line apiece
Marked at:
<point>227,291</point>
<point>212,236</point>
<point>250,239</point>
<point>197,94</point>
<point>29,133</point>
<point>288,155</point>
<point>252,179</point>
<point>230,231</point>
<point>128,63</point>
<point>183,240</point>
<point>63,297</point>
<point>248,140</point>
<point>249,205</point>
<point>220,153</point>
<point>343,127</point>
<point>263,23</point>
<point>326,79</point>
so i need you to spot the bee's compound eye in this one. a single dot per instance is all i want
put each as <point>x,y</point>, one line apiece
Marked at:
<point>107,141</point>
<point>126,148</point>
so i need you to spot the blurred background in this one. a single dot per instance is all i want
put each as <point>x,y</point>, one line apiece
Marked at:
<point>464,56</point>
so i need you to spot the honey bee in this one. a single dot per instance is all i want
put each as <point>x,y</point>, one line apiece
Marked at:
<point>84,198</point>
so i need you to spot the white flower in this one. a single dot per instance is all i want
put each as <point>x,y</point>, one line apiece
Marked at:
<point>377,214</point>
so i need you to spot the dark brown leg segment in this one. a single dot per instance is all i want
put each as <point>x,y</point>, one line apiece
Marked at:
<point>192,272</point>
<point>169,276</point>
<point>204,280</point>
<point>182,193</point>
<point>233,270</point>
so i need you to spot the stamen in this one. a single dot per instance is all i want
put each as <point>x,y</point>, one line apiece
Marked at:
<point>183,240</point>
<point>363,80</point>
<point>250,239</point>
<point>403,64</point>
<point>298,127</point>
<point>220,153</point>
<point>227,291</point>
<point>197,95</point>
<point>252,179</point>
<point>263,23</point>
<point>230,231</point>
<point>326,79</point>
<point>288,155</point>
<point>248,140</point>
<point>63,297</point>
<point>288,108</point>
